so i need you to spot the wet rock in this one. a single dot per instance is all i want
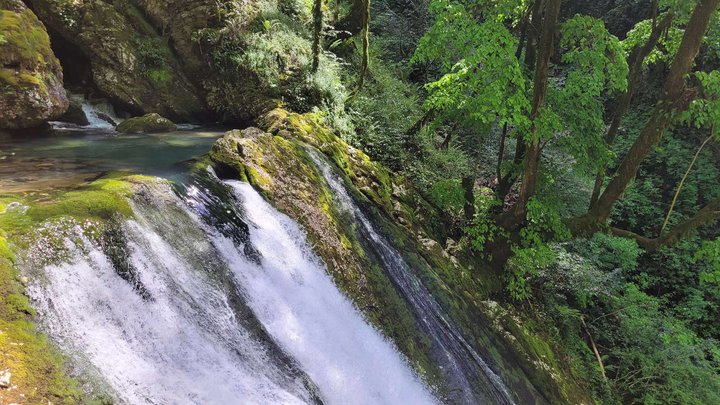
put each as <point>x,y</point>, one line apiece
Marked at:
<point>149,123</point>
<point>31,78</point>
<point>106,118</point>
<point>75,114</point>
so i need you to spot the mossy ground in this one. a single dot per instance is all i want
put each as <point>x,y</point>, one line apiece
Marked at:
<point>38,369</point>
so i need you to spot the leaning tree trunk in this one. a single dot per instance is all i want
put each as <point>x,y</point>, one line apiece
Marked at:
<point>531,162</point>
<point>635,61</point>
<point>532,32</point>
<point>674,98</point>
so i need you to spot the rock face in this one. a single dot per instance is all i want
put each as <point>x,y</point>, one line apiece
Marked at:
<point>149,123</point>
<point>129,60</point>
<point>189,60</point>
<point>31,79</point>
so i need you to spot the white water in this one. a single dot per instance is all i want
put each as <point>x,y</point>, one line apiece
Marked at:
<point>183,347</point>
<point>186,345</point>
<point>92,112</point>
<point>294,297</point>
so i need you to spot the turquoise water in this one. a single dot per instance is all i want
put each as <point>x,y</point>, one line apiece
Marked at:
<point>64,157</point>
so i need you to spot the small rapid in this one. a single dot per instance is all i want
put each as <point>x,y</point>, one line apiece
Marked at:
<point>212,296</point>
<point>99,116</point>
<point>469,374</point>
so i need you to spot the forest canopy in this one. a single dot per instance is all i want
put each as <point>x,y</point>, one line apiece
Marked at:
<point>575,147</point>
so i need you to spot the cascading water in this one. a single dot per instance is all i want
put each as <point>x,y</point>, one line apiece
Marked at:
<point>99,116</point>
<point>296,300</point>
<point>473,380</point>
<point>198,305</point>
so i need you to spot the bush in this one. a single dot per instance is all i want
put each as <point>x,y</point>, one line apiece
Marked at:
<point>650,356</point>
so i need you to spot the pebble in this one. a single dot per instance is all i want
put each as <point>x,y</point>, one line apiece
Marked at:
<point>5,379</point>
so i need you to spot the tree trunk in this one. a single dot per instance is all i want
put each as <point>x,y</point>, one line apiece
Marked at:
<point>317,33</point>
<point>674,98</point>
<point>533,35</point>
<point>354,22</point>
<point>531,32</point>
<point>532,155</point>
<point>365,46</point>
<point>622,103</point>
<point>468,185</point>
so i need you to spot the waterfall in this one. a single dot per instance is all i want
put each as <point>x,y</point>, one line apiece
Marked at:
<point>296,300</point>
<point>212,299</point>
<point>474,381</point>
<point>99,115</point>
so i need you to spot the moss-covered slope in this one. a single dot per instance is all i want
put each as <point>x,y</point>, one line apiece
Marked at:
<point>274,159</point>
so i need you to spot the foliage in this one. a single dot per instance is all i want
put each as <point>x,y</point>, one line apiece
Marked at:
<point>669,42</point>
<point>709,253</point>
<point>596,65</point>
<point>448,194</point>
<point>482,80</point>
<point>649,355</point>
<point>483,229</point>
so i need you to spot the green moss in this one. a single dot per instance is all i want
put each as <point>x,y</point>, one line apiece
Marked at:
<point>26,41</point>
<point>38,370</point>
<point>101,199</point>
<point>160,76</point>
<point>148,123</point>
<point>8,76</point>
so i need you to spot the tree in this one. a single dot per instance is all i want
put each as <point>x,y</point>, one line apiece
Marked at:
<point>531,160</point>
<point>675,98</point>
<point>317,33</point>
<point>636,60</point>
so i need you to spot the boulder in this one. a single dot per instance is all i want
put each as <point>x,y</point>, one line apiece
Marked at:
<point>149,123</point>
<point>31,78</point>
<point>75,114</point>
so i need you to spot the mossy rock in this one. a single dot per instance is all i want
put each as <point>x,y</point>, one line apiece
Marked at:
<point>31,79</point>
<point>280,168</point>
<point>274,160</point>
<point>75,114</point>
<point>147,124</point>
